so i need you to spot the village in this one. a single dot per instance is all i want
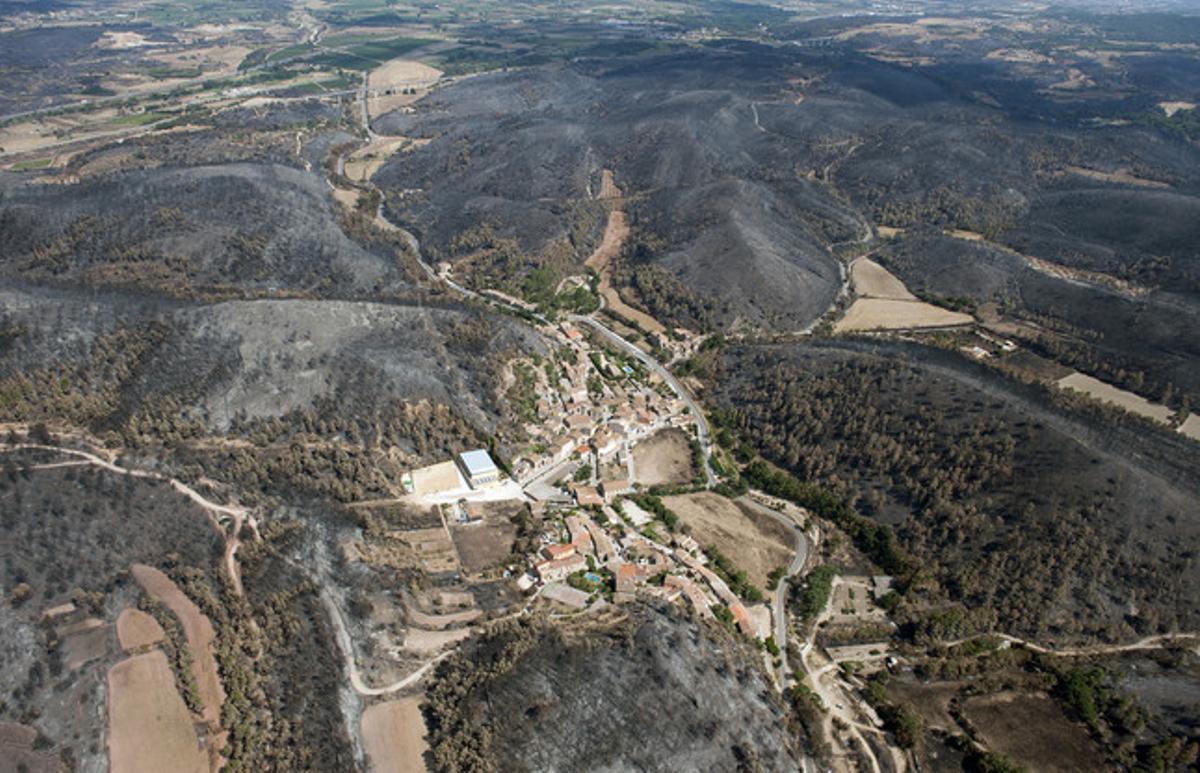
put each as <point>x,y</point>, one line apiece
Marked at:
<point>579,477</point>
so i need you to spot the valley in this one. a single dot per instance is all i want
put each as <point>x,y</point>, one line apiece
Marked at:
<point>658,386</point>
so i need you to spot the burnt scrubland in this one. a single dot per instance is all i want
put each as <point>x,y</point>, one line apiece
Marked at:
<point>195,231</point>
<point>652,689</point>
<point>706,188</point>
<point>1009,511</point>
<point>189,281</point>
<point>272,377</point>
<point>748,170</point>
<point>1131,711</point>
<point>71,534</point>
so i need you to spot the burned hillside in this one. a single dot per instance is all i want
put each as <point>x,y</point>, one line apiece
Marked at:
<point>1012,502</point>
<point>656,691</point>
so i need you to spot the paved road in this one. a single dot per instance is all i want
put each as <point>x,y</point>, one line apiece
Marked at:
<point>702,433</point>
<point>779,602</point>
<point>541,486</point>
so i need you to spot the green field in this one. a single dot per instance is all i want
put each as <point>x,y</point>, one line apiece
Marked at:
<point>27,166</point>
<point>139,119</point>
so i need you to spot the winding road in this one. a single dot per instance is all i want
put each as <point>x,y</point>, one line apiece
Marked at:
<point>235,513</point>
<point>347,648</point>
<point>702,431</point>
<point>779,599</point>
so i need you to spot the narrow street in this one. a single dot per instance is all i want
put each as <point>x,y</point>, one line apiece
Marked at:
<point>702,432</point>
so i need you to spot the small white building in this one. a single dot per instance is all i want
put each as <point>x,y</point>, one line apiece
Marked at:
<point>478,468</point>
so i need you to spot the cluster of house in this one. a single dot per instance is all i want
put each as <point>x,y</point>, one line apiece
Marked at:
<point>637,562</point>
<point>575,421</point>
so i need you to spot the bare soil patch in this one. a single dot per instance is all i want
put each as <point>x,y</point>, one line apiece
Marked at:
<point>17,754</point>
<point>403,72</point>
<point>394,736</point>
<point>427,642</point>
<point>927,30</point>
<point>930,701</point>
<point>386,103</point>
<point>1018,55</point>
<point>608,186</point>
<point>872,280</point>
<point>199,632</point>
<point>1171,108</point>
<point>752,541</point>
<point>136,629</point>
<point>124,40</point>
<point>149,725</point>
<point>616,231</point>
<point>211,59</point>
<point>85,645</point>
<point>1122,176</point>
<point>347,197</point>
<point>1107,393</point>
<point>1074,80</point>
<point>366,161</point>
<point>482,546</point>
<point>664,459</point>
<point>1191,426</point>
<point>1032,730</point>
<point>890,314</point>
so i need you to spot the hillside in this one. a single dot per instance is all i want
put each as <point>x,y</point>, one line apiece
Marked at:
<point>1019,508</point>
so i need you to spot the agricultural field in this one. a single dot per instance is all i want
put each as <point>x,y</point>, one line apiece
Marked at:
<point>884,314</point>
<point>1109,394</point>
<point>394,736</point>
<point>871,280</point>
<point>752,541</point>
<point>487,543</point>
<point>137,630</point>
<point>199,632</point>
<point>149,725</point>
<point>884,303</point>
<point>1031,730</point>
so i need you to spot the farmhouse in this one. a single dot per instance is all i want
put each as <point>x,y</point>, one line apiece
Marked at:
<point>478,468</point>
<point>604,546</point>
<point>629,577</point>
<point>613,487</point>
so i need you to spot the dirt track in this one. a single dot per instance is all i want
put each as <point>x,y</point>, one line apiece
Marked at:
<point>235,513</point>
<point>616,231</point>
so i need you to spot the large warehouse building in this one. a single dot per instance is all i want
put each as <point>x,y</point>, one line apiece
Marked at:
<point>478,468</point>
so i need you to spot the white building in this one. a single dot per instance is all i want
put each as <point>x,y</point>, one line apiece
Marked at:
<point>478,468</point>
